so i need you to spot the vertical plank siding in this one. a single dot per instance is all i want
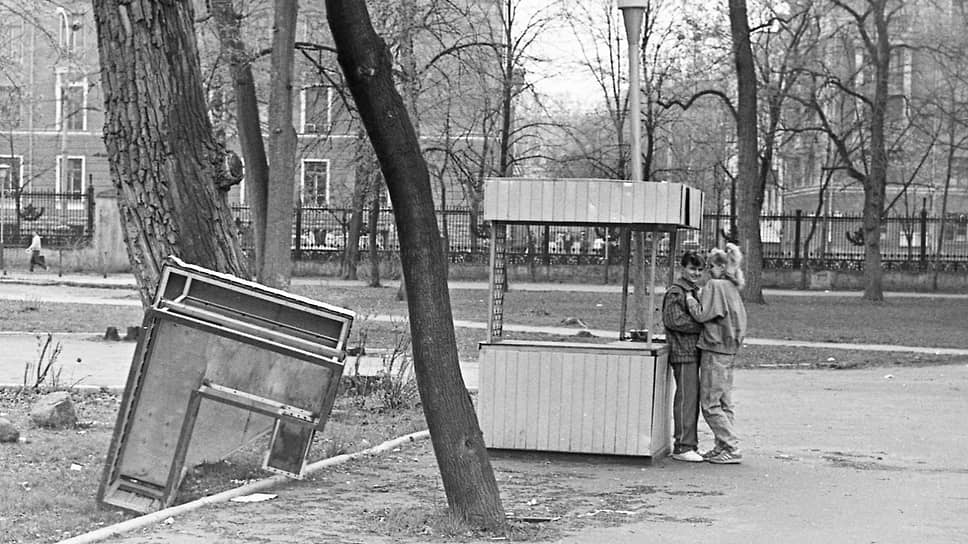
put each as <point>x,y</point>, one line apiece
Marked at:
<point>585,201</point>
<point>614,401</point>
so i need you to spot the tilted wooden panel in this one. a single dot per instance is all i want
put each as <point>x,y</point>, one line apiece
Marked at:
<point>599,201</point>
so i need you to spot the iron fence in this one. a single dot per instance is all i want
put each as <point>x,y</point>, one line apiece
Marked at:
<point>789,241</point>
<point>63,220</point>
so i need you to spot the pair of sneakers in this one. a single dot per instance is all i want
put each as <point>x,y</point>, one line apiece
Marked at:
<point>723,456</point>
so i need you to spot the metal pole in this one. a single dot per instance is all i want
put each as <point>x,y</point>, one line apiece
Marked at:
<point>625,282</point>
<point>650,316</point>
<point>632,14</point>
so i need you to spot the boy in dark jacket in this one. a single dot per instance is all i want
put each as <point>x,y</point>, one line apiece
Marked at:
<point>682,334</point>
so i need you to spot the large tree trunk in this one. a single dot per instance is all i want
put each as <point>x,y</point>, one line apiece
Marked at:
<point>750,184</point>
<point>249,127</point>
<point>277,268</point>
<point>163,157</point>
<point>465,468</point>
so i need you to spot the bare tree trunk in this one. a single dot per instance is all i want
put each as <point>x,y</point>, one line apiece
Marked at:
<point>249,127</point>
<point>371,236</point>
<point>277,269</point>
<point>750,184</point>
<point>875,186</point>
<point>163,156</point>
<point>463,460</point>
<point>362,185</point>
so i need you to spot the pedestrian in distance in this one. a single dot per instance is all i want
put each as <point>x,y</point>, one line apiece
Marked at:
<point>723,315</point>
<point>682,335</point>
<point>36,259</point>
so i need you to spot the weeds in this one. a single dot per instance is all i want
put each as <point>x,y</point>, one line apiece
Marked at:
<point>46,373</point>
<point>393,383</point>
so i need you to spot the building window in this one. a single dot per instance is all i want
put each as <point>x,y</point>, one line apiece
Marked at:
<point>10,103</point>
<point>72,180</point>
<point>315,182</point>
<point>11,37</point>
<point>315,109</point>
<point>70,31</point>
<point>959,171</point>
<point>11,173</point>
<point>71,103</point>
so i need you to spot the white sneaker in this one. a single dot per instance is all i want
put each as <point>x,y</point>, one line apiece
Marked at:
<point>691,456</point>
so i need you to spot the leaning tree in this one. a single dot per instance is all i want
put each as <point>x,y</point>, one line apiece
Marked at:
<point>465,468</point>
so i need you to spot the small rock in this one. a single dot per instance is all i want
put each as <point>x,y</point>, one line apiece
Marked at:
<point>54,410</point>
<point>8,433</point>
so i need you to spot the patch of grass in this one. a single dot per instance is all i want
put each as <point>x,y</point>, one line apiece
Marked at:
<point>49,482</point>
<point>914,321</point>
<point>836,359</point>
<point>39,316</point>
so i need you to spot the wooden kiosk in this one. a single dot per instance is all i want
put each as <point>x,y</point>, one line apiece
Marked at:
<point>612,398</point>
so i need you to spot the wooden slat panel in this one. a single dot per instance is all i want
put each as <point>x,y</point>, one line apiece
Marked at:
<point>697,213</point>
<point>589,421</point>
<point>568,209</point>
<point>634,417</point>
<point>645,408</point>
<point>558,405</point>
<point>594,206</point>
<point>576,398</point>
<point>533,384</point>
<point>651,202</point>
<point>610,403</point>
<point>545,400</point>
<point>628,202</point>
<point>600,401</point>
<point>499,398</point>
<point>548,201</point>
<point>485,393</point>
<point>622,376</point>
<point>535,196</point>
<point>639,205</point>
<point>520,422</point>
<point>662,204</point>
<point>662,407</point>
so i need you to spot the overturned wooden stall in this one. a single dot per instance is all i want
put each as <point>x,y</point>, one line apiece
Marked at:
<point>221,361</point>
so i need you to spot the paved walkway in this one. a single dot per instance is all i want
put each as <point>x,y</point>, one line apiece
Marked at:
<point>126,281</point>
<point>86,360</point>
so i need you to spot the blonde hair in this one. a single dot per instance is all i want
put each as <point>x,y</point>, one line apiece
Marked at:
<point>732,260</point>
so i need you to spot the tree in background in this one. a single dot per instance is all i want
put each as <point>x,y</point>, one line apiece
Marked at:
<point>465,468</point>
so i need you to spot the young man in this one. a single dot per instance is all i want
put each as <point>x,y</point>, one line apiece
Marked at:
<point>682,335</point>
<point>723,315</point>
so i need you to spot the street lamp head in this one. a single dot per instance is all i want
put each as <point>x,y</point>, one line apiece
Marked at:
<point>633,4</point>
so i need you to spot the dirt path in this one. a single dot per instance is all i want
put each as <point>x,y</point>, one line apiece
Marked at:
<point>869,455</point>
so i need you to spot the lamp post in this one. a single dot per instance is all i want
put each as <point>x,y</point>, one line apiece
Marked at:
<point>633,12</point>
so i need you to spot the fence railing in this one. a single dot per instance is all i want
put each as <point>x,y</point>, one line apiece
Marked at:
<point>789,241</point>
<point>63,220</point>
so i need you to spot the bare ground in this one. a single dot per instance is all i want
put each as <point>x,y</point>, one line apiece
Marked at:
<point>865,455</point>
